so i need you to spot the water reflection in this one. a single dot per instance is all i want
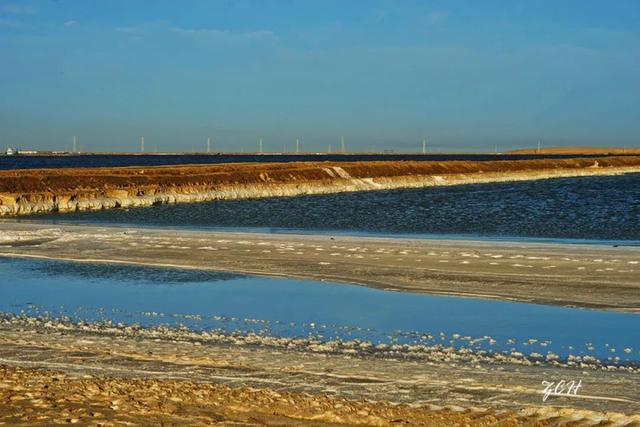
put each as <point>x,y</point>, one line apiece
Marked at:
<point>133,274</point>
<point>299,308</point>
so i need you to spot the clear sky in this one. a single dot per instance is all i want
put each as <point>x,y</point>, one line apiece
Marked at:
<point>464,74</point>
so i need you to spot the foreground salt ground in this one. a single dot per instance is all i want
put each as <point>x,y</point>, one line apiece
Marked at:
<point>55,398</point>
<point>98,376</point>
<point>594,276</point>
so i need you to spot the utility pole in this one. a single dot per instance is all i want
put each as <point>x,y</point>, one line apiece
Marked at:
<point>260,145</point>
<point>342,148</point>
<point>424,146</point>
<point>297,145</point>
<point>208,145</point>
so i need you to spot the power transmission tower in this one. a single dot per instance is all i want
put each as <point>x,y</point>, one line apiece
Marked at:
<point>424,146</point>
<point>297,145</point>
<point>260,145</point>
<point>208,145</point>
<point>142,144</point>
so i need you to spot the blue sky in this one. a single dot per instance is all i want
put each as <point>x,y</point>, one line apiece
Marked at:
<point>466,75</point>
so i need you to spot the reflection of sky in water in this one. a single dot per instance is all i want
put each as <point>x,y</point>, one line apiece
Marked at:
<point>604,208</point>
<point>134,274</point>
<point>282,307</point>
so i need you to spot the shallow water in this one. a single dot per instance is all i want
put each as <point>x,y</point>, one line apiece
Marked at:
<point>593,208</point>
<point>301,308</point>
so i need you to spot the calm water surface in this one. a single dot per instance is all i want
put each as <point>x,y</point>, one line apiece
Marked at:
<point>300,308</point>
<point>596,208</point>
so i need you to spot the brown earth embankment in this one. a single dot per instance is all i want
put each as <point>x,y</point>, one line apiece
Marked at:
<point>63,190</point>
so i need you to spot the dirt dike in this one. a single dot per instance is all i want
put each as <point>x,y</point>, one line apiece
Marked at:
<point>29,191</point>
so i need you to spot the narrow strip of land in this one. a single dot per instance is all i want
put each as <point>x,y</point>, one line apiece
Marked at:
<point>31,191</point>
<point>593,276</point>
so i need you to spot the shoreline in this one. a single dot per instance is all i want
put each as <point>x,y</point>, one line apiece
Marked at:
<point>432,353</point>
<point>586,276</point>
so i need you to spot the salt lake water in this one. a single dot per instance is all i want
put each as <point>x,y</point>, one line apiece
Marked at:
<point>232,303</point>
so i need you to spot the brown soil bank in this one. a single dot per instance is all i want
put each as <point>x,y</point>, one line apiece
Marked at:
<point>63,190</point>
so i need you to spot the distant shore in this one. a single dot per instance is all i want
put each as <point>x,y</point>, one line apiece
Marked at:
<point>561,150</point>
<point>578,150</point>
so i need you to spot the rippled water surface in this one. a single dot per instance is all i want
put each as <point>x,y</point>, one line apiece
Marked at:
<point>203,300</point>
<point>600,208</point>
